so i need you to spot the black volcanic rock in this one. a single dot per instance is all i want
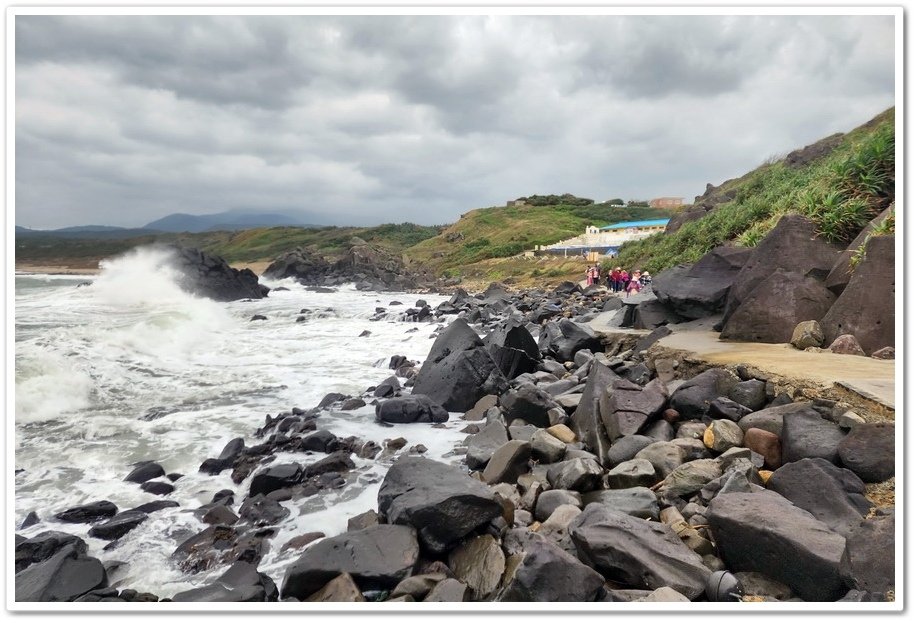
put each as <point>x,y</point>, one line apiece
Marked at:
<point>210,276</point>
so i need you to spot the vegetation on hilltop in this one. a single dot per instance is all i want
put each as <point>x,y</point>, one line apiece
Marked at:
<point>500,232</point>
<point>840,192</point>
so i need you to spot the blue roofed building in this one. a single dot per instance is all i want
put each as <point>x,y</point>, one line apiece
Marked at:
<point>608,239</point>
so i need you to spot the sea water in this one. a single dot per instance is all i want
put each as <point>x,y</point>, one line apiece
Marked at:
<point>125,367</point>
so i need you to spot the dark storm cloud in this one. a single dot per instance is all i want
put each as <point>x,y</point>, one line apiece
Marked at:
<point>121,120</point>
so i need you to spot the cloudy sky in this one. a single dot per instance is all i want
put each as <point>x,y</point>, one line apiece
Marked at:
<point>366,120</point>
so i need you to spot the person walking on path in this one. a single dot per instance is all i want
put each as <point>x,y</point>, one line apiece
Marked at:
<point>624,280</point>
<point>614,279</point>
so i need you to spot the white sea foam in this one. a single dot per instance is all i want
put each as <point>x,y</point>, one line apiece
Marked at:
<point>93,362</point>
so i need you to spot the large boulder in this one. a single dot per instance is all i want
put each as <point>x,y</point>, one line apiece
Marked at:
<point>377,557</point>
<point>513,348</point>
<point>865,309</point>
<point>771,311</point>
<point>483,444</point>
<point>44,546</point>
<point>700,290</point>
<point>65,576</point>
<point>442,502</point>
<point>410,409</point>
<point>210,276</point>
<point>692,398</point>
<point>240,583</point>
<point>637,553</point>
<point>761,531</point>
<point>303,265</point>
<point>459,370</point>
<point>544,572</point>
<point>794,246</point>
<point>842,271</point>
<point>626,407</point>
<point>586,421</point>
<point>88,513</point>
<point>117,526</point>
<point>562,340</point>
<point>529,403</point>
<point>832,494</point>
<point>868,450</point>
<point>867,564</point>
<point>808,435</point>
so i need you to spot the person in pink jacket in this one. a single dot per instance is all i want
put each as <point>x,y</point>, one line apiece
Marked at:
<point>634,283</point>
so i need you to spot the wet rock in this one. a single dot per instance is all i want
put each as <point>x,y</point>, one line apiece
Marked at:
<point>218,545</point>
<point>260,511</point>
<point>144,471</point>
<point>30,520</point>
<point>44,546</point>
<point>760,531</point>
<point>298,542</point>
<point>637,553</point>
<point>157,487</point>
<point>88,513</point>
<point>275,477</point>
<point>65,576</point>
<point>220,515</point>
<point>240,583</point>
<point>377,558</point>
<point>513,348</point>
<point>209,275</point>
<point>336,462</point>
<point>410,409</point>
<point>868,450</point>
<point>387,388</point>
<point>544,572</point>
<point>834,495</point>
<point>117,526</point>
<point>442,502</point>
<point>458,370</point>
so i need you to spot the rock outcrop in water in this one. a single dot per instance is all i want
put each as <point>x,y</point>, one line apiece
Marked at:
<point>210,276</point>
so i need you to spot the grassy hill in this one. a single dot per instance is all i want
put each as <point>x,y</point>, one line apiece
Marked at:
<point>841,192</point>
<point>501,232</point>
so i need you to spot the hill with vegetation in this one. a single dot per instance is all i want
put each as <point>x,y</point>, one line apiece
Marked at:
<point>841,183</point>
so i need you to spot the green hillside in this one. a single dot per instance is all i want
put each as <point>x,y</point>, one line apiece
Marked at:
<point>499,232</point>
<point>841,192</point>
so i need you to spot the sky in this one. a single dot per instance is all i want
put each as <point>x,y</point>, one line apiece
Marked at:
<point>362,120</point>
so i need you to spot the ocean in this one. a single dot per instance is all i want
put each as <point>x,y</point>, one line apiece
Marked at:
<point>125,367</point>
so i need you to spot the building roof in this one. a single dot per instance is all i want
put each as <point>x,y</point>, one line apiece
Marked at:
<point>659,222</point>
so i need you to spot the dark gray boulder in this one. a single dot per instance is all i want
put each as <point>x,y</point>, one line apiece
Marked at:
<point>275,477</point>
<point>868,563</point>
<point>842,270</point>
<point>625,448</point>
<point>377,558</point>
<point>866,309</point>
<point>834,495</point>
<point>586,421</point>
<point>751,394</point>
<point>459,370</point>
<point>260,511</point>
<point>761,531</point>
<point>578,474</point>
<point>794,246</point>
<point>88,513</point>
<point>210,276</point>
<point>513,348</point>
<point>771,311</point>
<point>700,290</point>
<point>410,409</point>
<point>651,314</point>
<point>692,398</point>
<point>144,471</point>
<point>636,501</point>
<point>117,526</point>
<point>442,502</point>
<point>771,418</point>
<point>240,583</point>
<point>529,403</point>
<point>626,407</point>
<point>808,435</point>
<point>482,445</point>
<point>637,553</point>
<point>562,340</point>
<point>550,500</point>
<point>65,576</point>
<point>547,573</point>
<point>302,265</point>
<point>508,462</point>
<point>45,545</point>
<point>868,450</point>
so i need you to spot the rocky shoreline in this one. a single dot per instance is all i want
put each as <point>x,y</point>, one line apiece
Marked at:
<point>590,474</point>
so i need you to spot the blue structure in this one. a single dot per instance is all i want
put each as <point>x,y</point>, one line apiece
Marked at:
<point>659,222</point>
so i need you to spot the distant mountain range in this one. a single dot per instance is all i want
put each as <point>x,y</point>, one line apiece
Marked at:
<point>233,220</point>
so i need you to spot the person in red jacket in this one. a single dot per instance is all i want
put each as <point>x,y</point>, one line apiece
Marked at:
<point>624,279</point>
<point>614,280</point>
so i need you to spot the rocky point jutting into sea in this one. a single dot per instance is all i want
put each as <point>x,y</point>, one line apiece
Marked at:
<point>544,446</point>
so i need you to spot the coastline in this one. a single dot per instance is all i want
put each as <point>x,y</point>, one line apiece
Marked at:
<point>73,269</point>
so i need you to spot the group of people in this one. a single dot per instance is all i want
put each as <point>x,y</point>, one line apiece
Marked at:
<point>619,280</point>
